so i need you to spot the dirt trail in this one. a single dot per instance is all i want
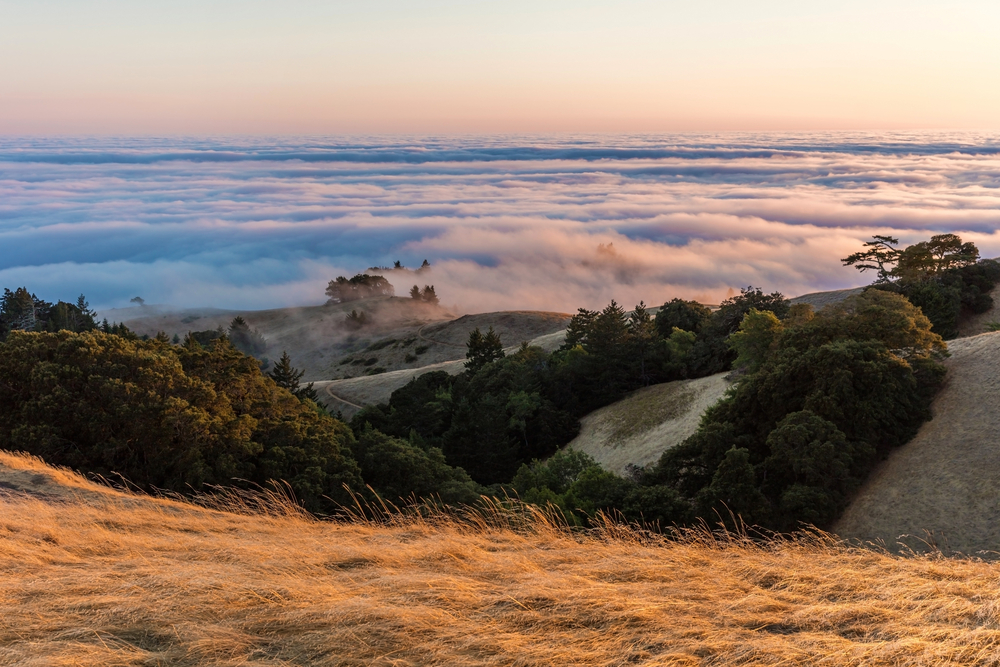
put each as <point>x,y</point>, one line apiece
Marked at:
<point>421,336</point>
<point>944,485</point>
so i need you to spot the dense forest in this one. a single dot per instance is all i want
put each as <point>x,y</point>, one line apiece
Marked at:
<point>818,399</point>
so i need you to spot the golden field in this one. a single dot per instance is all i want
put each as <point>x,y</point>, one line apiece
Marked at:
<point>94,576</point>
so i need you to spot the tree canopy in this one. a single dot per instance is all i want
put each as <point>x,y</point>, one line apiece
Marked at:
<point>361,286</point>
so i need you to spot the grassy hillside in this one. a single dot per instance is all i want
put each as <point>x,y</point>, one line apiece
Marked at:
<point>638,429</point>
<point>96,577</point>
<point>941,487</point>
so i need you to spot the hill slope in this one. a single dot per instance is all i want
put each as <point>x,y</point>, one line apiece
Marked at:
<point>102,578</point>
<point>351,394</point>
<point>942,485</point>
<point>639,428</point>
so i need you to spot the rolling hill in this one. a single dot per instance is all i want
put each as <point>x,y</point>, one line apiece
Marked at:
<point>93,576</point>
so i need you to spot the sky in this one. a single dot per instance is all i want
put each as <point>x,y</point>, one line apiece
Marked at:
<point>195,67</point>
<point>547,222</point>
<point>548,154</point>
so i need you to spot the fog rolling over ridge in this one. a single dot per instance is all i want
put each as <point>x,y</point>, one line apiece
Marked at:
<point>551,223</point>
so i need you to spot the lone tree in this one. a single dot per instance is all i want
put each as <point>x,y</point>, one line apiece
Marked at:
<point>361,286</point>
<point>880,255</point>
<point>285,375</point>
<point>483,349</point>
<point>138,300</point>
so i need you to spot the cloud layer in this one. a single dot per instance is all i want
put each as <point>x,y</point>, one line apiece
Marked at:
<point>506,222</point>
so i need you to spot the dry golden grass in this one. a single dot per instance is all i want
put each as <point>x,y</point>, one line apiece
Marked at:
<point>96,577</point>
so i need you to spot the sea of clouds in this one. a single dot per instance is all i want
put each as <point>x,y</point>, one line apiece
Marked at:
<point>551,223</point>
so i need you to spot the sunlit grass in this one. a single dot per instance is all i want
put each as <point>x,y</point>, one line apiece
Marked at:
<point>94,576</point>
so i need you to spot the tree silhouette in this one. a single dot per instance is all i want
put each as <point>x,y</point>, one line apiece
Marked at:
<point>483,349</point>
<point>288,377</point>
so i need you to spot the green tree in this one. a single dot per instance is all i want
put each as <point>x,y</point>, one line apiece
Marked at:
<point>246,340</point>
<point>928,259</point>
<point>361,286</point>
<point>734,491</point>
<point>288,377</point>
<point>579,327</point>
<point>643,336</point>
<point>680,314</point>
<point>398,469</point>
<point>482,349</point>
<point>166,417</point>
<point>880,255</point>
<point>20,310</point>
<point>429,295</point>
<point>757,336</point>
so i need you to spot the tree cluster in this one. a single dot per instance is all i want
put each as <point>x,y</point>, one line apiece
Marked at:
<point>427,294</point>
<point>21,310</point>
<point>944,276</point>
<point>166,417</point>
<point>821,399</point>
<point>361,286</point>
<point>825,396</point>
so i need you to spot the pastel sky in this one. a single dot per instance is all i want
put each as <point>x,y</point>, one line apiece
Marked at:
<point>385,66</point>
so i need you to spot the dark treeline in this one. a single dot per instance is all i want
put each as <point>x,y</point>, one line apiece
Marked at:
<point>818,399</point>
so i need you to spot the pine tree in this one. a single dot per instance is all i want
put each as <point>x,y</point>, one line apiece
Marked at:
<point>429,295</point>
<point>20,309</point>
<point>285,375</point>
<point>642,335</point>
<point>246,340</point>
<point>483,349</point>
<point>415,293</point>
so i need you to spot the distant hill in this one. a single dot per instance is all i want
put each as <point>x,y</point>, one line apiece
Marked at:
<point>820,300</point>
<point>315,337</point>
